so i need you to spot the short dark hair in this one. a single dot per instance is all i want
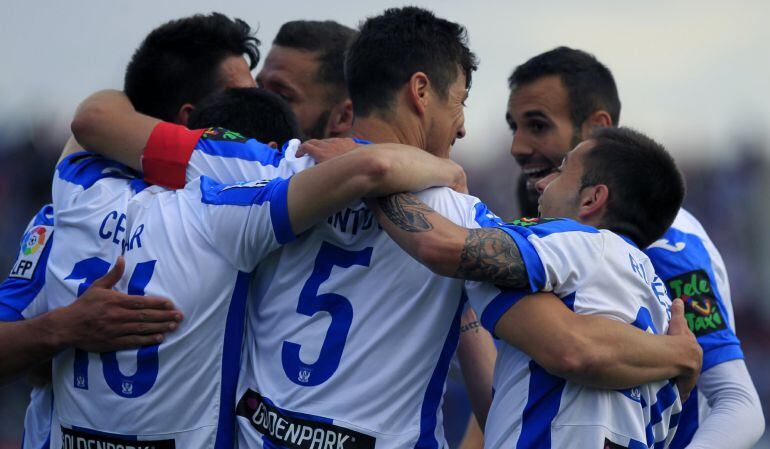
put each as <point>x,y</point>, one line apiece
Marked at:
<point>589,83</point>
<point>178,62</point>
<point>646,188</point>
<point>327,38</point>
<point>391,47</point>
<point>250,111</point>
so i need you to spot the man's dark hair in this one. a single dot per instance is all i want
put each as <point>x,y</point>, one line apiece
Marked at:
<point>327,38</point>
<point>391,47</point>
<point>253,112</point>
<point>179,61</point>
<point>589,83</point>
<point>645,187</point>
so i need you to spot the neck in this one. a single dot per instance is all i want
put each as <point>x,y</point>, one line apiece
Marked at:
<point>379,130</point>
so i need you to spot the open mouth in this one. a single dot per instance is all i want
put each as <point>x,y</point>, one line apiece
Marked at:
<point>535,174</point>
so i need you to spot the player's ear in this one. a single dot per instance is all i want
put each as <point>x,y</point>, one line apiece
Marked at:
<point>593,203</point>
<point>183,114</point>
<point>418,91</point>
<point>341,119</point>
<point>599,119</point>
<point>273,144</point>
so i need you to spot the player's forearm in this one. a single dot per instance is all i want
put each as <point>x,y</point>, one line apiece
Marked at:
<point>107,123</point>
<point>476,353</point>
<point>616,355</point>
<point>26,344</point>
<point>409,169</point>
<point>734,403</point>
<point>431,239</point>
<point>485,255</point>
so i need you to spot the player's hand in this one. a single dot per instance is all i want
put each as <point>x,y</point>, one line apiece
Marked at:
<point>102,319</point>
<point>678,327</point>
<point>323,150</point>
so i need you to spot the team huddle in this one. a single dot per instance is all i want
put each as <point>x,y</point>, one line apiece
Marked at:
<point>296,262</point>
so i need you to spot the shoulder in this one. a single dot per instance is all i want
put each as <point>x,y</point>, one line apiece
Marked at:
<point>459,207</point>
<point>85,169</point>
<point>546,227</point>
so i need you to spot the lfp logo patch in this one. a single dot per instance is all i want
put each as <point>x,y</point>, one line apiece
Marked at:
<point>34,240</point>
<point>32,245</point>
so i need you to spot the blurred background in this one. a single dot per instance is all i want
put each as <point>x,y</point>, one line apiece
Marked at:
<point>693,74</point>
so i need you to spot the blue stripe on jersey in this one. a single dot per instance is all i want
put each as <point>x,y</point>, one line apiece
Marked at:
<point>86,168</point>
<point>542,406</point>
<point>430,403</point>
<point>17,293</point>
<point>569,301</point>
<point>254,193</point>
<point>644,320</point>
<point>532,261</point>
<point>250,150</point>
<point>498,306</point>
<point>485,217</point>
<point>553,226</point>
<point>691,257</point>
<point>664,398</point>
<point>231,361</point>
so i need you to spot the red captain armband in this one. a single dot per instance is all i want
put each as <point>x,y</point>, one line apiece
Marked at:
<point>167,153</point>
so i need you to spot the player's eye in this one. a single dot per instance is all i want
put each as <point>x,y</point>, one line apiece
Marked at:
<point>538,127</point>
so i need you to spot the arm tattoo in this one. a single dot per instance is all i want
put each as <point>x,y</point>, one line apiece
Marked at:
<point>407,212</point>
<point>490,255</point>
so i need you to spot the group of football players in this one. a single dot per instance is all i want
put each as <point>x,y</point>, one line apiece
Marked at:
<point>292,261</point>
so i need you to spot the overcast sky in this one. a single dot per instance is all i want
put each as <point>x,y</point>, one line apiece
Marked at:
<point>693,74</point>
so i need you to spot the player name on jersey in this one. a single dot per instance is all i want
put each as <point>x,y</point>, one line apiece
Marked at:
<point>296,432</point>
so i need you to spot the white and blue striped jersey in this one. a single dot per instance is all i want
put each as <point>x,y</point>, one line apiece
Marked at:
<point>692,268</point>
<point>595,272</point>
<point>22,296</point>
<point>348,339</point>
<point>195,246</point>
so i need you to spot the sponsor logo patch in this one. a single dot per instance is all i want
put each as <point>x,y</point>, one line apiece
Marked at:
<point>32,245</point>
<point>700,304</point>
<point>223,134</point>
<point>526,222</point>
<point>246,185</point>
<point>75,439</point>
<point>297,431</point>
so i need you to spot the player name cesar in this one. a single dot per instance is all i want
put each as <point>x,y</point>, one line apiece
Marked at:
<point>296,431</point>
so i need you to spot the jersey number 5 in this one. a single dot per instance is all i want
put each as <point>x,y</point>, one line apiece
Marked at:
<point>338,306</point>
<point>147,366</point>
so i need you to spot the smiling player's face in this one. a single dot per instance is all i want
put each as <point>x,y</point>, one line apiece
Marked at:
<point>539,116</point>
<point>448,119</point>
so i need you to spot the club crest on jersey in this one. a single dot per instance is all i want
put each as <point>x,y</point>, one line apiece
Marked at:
<point>223,135</point>
<point>246,185</point>
<point>127,388</point>
<point>700,305</point>
<point>304,375</point>
<point>32,245</point>
<point>526,222</point>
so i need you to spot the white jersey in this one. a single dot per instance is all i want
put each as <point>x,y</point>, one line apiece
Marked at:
<point>22,296</point>
<point>195,246</point>
<point>595,273</point>
<point>348,338</point>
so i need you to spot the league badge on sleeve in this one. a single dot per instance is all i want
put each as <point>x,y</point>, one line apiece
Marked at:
<point>700,305</point>
<point>32,245</point>
<point>526,222</point>
<point>223,135</point>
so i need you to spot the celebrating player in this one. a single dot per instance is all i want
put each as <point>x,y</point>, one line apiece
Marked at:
<point>325,351</point>
<point>103,320</point>
<point>593,272</point>
<point>559,97</point>
<point>305,67</point>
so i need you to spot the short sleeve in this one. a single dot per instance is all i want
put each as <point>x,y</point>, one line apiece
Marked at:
<point>464,210</point>
<point>175,155</point>
<point>244,221</point>
<point>687,267</point>
<point>21,294</point>
<point>557,253</point>
<point>491,302</point>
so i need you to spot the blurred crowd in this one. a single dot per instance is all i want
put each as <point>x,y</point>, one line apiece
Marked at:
<point>726,195</point>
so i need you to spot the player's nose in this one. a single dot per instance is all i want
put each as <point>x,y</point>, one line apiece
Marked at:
<point>541,184</point>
